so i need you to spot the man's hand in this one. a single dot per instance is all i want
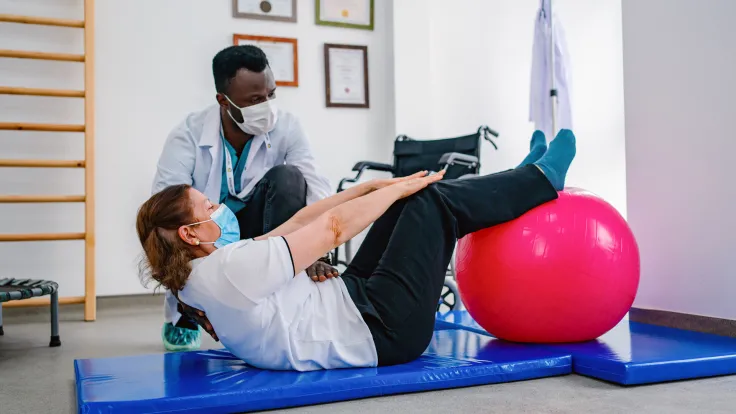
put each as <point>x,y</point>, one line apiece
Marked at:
<point>201,318</point>
<point>321,271</point>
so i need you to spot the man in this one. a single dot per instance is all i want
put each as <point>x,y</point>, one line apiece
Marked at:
<point>245,153</point>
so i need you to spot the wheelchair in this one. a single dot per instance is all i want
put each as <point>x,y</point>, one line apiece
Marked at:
<point>459,157</point>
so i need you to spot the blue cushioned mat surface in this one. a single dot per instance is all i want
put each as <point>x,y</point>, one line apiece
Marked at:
<point>636,353</point>
<point>216,382</point>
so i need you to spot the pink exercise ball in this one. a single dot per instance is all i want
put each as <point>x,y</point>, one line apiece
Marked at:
<point>566,271</point>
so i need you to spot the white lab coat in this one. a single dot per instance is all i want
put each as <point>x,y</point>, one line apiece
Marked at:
<point>540,104</point>
<point>193,154</point>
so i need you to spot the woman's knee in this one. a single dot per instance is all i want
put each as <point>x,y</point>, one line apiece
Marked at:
<point>430,201</point>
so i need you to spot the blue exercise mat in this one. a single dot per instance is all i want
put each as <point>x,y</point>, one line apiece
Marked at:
<point>217,382</point>
<point>636,353</point>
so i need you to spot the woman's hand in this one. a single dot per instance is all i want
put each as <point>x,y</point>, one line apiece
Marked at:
<point>320,271</point>
<point>377,184</point>
<point>414,184</point>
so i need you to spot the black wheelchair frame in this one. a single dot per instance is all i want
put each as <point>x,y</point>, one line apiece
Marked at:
<point>459,157</point>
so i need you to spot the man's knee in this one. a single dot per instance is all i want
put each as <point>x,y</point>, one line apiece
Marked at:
<point>286,178</point>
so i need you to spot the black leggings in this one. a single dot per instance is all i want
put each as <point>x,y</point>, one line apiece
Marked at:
<point>397,275</point>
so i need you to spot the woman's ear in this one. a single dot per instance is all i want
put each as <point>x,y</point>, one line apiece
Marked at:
<point>188,236</point>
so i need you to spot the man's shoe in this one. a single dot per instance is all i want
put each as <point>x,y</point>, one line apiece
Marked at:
<point>180,339</point>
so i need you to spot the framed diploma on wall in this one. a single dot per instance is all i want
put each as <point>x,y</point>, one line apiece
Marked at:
<point>355,14</point>
<point>282,54</point>
<point>346,76</point>
<point>278,10</point>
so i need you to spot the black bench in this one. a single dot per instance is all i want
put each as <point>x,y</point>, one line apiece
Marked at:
<point>19,289</point>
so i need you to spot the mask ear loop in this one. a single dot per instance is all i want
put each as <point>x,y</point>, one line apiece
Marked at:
<point>231,102</point>
<point>196,241</point>
<point>236,107</point>
<point>199,222</point>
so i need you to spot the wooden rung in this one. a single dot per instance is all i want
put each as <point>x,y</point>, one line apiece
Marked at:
<point>18,126</point>
<point>22,54</point>
<point>10,90</point>
<point>43,301</point>
<point>41,237</point>
<point>42,163</point>
<point>45,21</point>
<point>42,199</point>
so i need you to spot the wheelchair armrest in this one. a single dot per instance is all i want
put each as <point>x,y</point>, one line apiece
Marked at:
<point>370,165</point>
<point>361,166</point>
<point>456,158</point>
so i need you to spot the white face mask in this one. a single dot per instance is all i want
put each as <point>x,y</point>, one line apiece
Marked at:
<point>257,119</point>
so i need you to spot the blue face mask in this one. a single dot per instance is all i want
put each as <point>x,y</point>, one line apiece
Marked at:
<point>228,224</point>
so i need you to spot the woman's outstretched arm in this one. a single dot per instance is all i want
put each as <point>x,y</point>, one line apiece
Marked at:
<point>344,221</point>
<point>311,212</point>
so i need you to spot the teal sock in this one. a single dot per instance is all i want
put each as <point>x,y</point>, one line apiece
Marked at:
<point>556,161</point>
<point>537,147</point>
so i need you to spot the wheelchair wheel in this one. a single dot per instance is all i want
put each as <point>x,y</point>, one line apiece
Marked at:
<point>447,300</point>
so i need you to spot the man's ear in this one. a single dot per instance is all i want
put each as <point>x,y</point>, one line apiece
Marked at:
<point>222,100</point>
<point>187,234</point>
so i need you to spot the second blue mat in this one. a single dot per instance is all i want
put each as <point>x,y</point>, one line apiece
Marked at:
<point>636,353</point>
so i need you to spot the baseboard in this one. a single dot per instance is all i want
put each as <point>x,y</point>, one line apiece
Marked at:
<point>697,323</point>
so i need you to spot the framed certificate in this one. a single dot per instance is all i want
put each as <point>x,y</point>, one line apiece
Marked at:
<point>279,10</point>
<point>346,76</point>
<point>282,54</point>
<point>356,14</point>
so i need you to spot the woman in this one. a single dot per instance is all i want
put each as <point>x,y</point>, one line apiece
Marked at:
<point>268,312</point>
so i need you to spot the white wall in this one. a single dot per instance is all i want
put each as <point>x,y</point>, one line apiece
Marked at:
<point>468,62</point>
<point>153,67</point>
<point>679,66</point>
<point>413,67</point>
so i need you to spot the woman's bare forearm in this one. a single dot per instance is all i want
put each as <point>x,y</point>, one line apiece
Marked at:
<point>309,213</point>
<point>343,222</point>
<point>349,219</point>
<point>338,225</point>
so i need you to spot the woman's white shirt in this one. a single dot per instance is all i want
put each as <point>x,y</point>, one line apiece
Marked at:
<point>272,319</point>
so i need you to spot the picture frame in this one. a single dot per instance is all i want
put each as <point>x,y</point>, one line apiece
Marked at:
<point>346,76</point>
<point>282,53</point>
<point>273,10</point>
<point>352,14</point>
